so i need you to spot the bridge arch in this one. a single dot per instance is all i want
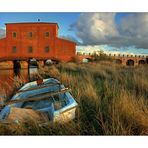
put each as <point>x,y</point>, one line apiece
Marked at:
<point>130,62</point>
<point>118,61</point>
<point>16,64</point>
<point>33,62</point>
<point>86,60</point>
<point>48,62</point>
<point>55,60</point>
<point>141,62</point>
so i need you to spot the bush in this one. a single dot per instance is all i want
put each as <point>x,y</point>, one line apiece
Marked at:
<point>101,57</point>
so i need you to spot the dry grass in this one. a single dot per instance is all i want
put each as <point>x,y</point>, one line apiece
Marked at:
<point>112,100</point>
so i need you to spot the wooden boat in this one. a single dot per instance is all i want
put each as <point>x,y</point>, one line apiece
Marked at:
<point>48,96</point>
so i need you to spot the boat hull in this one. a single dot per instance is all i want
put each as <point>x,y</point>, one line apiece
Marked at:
<point>63,114</point>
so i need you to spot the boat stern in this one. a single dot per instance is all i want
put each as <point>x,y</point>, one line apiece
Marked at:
<point>65,116</point>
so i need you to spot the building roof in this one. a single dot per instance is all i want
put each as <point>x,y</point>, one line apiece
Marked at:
<point>33,23</point>
<point>59,38</point>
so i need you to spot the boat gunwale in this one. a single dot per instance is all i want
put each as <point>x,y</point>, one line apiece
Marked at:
<point>39,87</point>
<point>70,105</point>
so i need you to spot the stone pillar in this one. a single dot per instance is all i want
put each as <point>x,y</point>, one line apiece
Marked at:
<point>124,62</point>
<point>24,64</point>
<point>136,62</point>
<point>6,65</point>
<point>41,63</point>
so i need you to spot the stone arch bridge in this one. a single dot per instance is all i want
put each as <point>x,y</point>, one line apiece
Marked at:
<point>130,60</point>
<point>24,62</point>
<point>9,63</point>
<point>84,57</point>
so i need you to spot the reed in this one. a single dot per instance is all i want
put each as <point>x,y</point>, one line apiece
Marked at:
<point>112,100</point>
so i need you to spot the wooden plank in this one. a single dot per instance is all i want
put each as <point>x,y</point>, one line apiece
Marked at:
<point>38,87</point>
<point>38,97</point>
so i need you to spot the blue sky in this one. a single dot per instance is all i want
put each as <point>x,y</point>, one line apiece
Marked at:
<point>111,32</point>
<point>63,19</point>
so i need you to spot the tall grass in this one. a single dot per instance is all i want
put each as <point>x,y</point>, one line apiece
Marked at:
<point>112,100</point>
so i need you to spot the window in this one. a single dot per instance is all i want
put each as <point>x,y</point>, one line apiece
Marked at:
<point>30,34</point>
<point>46,49</point>
<point>46,34</point>
<point>14,49</point>
<point>30,49</point>
<point>14,34</point>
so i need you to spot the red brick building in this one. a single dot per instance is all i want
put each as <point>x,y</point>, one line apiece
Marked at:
<point>35,40</point>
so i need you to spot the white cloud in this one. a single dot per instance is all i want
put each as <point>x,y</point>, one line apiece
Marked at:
<point>2,33</point>
<point>113,50</point>
<point>135,28</point>
<point>92,28</point>
<point>101,29</point>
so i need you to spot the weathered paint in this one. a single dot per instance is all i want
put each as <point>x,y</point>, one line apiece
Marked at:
<point>65,116</point>
<point>40,63</point>
<point>6,64</point>
<point>24,64</point>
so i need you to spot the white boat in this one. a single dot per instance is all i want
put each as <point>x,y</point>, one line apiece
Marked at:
<point>48,96</point>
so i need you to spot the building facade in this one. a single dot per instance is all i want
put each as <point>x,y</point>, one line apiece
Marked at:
<point>35,40</point>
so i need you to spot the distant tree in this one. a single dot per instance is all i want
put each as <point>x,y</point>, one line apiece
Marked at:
<point>100,56</point>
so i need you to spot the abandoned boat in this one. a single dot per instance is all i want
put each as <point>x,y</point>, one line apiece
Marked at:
<point>47,96</point>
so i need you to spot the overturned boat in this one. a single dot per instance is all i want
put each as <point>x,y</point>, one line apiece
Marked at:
<point>48,96</point>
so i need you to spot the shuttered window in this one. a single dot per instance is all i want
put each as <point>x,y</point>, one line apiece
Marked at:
<point>30,50</point>
<point>46,49</point>
<point>30,34</point>
<point>47,34</point>
<point>14,34</point>
<point>14,49</point>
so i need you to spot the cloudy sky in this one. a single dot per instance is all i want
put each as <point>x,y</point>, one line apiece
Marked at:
<point>111,32</point>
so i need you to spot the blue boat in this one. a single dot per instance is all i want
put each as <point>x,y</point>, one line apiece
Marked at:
<point>48,96</point>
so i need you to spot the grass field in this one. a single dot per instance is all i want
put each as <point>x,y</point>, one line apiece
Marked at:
<point>113,100</point>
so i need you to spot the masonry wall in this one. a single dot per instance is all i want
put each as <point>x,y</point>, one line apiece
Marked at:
<point>58,48</point>
<point>124,60</point>
<point>65,48</point>
<point>3,47</point>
